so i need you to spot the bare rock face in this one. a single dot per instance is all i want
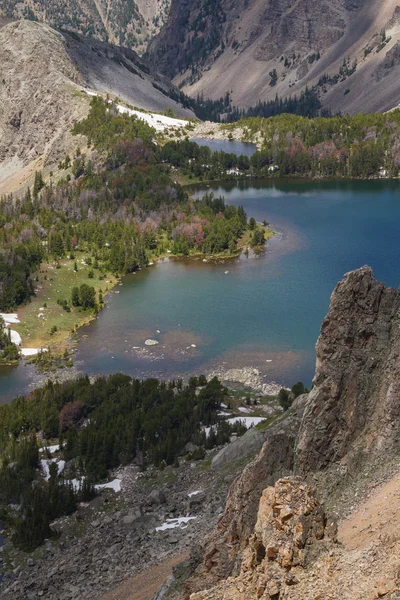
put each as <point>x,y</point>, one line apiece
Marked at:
<point>353,408</point>
<point>290,529</point>
<point>214,47</point>
<point>220,556</point>
<point>118,21</point>
<point>37,96</point>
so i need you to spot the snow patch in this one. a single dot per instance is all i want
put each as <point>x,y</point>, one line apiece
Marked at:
<point>242,409</point>
<point>159,122</point>
<point>15,337</point>
<point>10,318</point>
<point>115,485</point>
<point>174,523</point>
<point>45,465</point>
<point>112,485</point>
<point>32,351</point>
<point>196,493</point>
<point>51,449</point>
<point>248,421</point>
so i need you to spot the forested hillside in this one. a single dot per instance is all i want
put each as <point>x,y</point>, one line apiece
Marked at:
<point>100,426</point>
<point>361,146</point>
<point>122,209</point>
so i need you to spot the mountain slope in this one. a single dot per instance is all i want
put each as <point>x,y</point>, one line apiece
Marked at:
<point>42,98</point>
<point>258,49</point>
<point>117,21</point>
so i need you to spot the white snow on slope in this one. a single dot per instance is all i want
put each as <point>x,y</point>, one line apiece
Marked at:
<point>159,122</point>
<point>45,464</point>
<point>174,523</point>
<point>196,493</point>
<point>32,351</point>
<point>15,337</point>
<point>10,318</point>
<point>51,449</point>
<point>248,421</point>
<point>112,485</point>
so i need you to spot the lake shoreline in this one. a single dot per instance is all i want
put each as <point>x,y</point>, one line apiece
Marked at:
<point>264,314</point>
<point>40,375</point>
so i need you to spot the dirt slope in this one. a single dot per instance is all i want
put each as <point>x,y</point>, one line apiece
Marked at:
<point>146,583</point>
<point>302,40</point>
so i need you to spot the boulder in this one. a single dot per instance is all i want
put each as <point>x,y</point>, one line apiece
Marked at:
<point>157,497</point>
<point>290,528</point>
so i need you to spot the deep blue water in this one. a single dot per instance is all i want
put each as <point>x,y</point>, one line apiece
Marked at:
<point>265,309</point>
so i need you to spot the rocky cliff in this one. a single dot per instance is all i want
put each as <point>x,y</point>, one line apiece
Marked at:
<point>345,440</point>
<point>116,21</point>
<point>352,413</point>
<point>258,49</point>
<point>44,74</point>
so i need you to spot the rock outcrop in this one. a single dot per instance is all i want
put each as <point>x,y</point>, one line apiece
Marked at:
<point>289,533</point>
<point>352,413</point>
<point>220,556</point>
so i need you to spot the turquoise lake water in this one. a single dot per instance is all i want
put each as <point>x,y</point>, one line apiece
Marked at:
<point>267,311</point>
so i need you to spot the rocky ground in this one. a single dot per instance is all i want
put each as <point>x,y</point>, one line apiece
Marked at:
<point>115,536</point>
<point>248,378</point>
<point>295,552</point>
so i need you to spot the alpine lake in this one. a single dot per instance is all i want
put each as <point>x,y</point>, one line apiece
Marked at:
<point>262,311</point>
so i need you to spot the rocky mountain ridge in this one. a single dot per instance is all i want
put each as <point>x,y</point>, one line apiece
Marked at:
<point>258,50</point>
<point>130,24</point>
<point>347,50</point>
<point>42,98</point>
